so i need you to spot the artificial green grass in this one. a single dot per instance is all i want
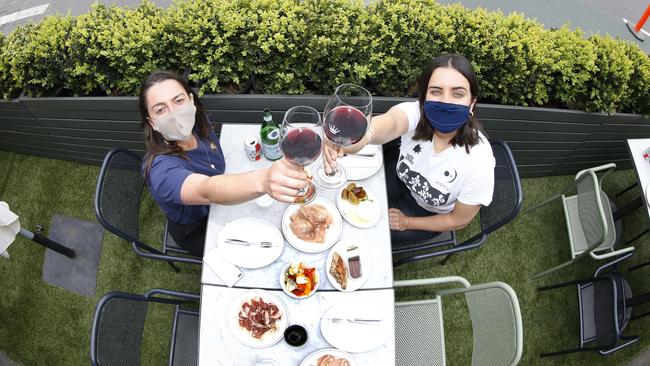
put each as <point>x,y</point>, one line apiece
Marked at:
<point>41,324</point>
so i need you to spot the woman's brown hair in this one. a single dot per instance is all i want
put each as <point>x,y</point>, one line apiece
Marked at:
<point>154,141</point>
<point>467,135</point>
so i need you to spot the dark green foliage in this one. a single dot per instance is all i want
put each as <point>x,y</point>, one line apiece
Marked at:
<point>297,47</point>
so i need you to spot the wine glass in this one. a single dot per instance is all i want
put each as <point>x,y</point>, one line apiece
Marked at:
<point>301,142</point>
<point>345,121</point>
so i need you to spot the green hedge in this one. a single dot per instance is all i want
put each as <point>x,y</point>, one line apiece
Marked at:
<point>310,46</point>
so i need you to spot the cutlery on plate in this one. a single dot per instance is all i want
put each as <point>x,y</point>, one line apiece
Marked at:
<point>362,155</point>
<point>355,320</point>
<point>262,244</point>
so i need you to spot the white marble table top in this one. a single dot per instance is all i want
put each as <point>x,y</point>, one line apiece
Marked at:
<point>377,238</point>
<point>636,148</point>
<point>218,347</point>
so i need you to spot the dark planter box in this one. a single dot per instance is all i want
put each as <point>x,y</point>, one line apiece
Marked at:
<point>544,141</point>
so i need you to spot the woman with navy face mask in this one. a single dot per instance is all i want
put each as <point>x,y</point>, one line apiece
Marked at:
<point>444,169</point>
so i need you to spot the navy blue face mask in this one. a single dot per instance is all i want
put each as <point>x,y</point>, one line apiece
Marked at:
<point>446,117</point>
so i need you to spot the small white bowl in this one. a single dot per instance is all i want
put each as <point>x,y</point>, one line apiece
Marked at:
<point>283,282</point>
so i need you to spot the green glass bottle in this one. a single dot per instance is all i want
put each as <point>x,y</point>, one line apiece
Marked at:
<point>270,137</point>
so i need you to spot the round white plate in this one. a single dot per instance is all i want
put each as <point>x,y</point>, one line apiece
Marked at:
<point>253,230</point>
<point>353,336</point>
<point>349,211</point>
<point>361,167</point>
<point>313,357</point>
<point>364,256</point>
<point>283,281</point>
<point>333,232</point>
<point>241,334</point>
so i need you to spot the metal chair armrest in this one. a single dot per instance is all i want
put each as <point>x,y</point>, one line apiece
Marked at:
<point>172,293</point>
<point>431,281</point>
<point>625,255</point>
<point>164,257</point>
<point>608,166</point>
<point>471,243</point>
<point>611,254</point>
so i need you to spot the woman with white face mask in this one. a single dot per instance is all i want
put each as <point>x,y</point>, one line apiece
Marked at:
<point>184,164</point>
<point>444,169</point>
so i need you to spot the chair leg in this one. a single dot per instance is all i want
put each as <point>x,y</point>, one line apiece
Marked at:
<point>174,267</point>
<point>633,268</point>
<point>563,284</point>
<point>637,237</point>
<point>640,316</point>
<point>563,352</point>
<point>446,258</point>
<point>626,189</point>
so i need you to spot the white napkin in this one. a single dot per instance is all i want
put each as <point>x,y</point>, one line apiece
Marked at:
<point>9,227</point>
<point>227,272</point>
<point>353,161</point>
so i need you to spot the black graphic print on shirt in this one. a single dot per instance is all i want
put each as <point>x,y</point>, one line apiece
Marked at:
<point>419,184</point>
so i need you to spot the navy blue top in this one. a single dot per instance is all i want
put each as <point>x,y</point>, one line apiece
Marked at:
<point>168,172</point>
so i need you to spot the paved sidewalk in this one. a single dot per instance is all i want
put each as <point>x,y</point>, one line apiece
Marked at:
<point>75,7</point>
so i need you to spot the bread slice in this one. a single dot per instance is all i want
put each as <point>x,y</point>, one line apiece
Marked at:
<point>339,271</point>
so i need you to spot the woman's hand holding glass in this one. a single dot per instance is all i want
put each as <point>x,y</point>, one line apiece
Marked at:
<point>284,180</point>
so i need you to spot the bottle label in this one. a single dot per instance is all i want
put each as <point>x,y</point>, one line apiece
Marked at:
<point>271,145</point>
<point>272,152</point>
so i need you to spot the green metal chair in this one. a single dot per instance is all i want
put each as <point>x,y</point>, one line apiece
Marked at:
<point>589,218</point>
<point>496,324</point>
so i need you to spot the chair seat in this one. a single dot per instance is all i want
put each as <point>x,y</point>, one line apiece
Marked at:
<point>419,333</point>
<point>577,236</point>
<point>186,339</point>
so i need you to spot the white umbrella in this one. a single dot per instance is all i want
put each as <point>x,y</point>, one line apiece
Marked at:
<point>9,227</point>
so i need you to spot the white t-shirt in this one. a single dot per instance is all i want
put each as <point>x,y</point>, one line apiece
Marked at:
<point>437,180</point>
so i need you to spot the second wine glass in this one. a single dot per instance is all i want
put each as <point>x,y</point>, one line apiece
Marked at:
<point>345,121</point>
<point>301,141</point>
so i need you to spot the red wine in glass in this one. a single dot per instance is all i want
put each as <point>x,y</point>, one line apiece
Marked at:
<point>345,125</point>
<point>301,146</point>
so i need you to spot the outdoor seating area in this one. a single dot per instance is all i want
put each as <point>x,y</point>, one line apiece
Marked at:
<point>511,254</point>
<point>324,183</point>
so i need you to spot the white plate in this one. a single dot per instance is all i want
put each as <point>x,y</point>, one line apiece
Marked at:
<point>283,280</point>
<point>349,211</point>
<point>342,248</point>
<point>253,230</point>
<point>333,232</point>
<point>313,357</point>
<point>360,167</point>
<point>357,337</point>
<point>241,334</point>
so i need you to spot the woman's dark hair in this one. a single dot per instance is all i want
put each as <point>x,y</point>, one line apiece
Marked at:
<point>153,140</point>
<point>468,134</point>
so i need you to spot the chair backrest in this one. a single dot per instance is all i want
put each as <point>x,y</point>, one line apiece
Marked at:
<point>116,336</point>
<point>590,209</point>
<point>605,315</point>
<point>508,196</point>
<point>118,194</point>
<point>496,324</point>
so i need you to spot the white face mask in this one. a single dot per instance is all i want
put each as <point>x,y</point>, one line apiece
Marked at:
<point>177,125</point>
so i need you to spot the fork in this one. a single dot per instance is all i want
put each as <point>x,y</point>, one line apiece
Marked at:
<point>355,320</point>
<point>263,244</point>
<point>362,155</point>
